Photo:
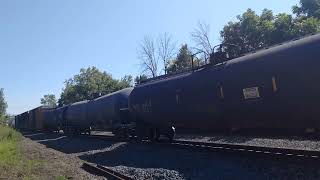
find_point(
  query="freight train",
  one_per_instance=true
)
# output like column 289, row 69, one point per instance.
column 274, row 88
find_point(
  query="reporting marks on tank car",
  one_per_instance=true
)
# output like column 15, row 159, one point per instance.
column 251, row 93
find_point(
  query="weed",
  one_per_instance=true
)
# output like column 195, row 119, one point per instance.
column 61, row 178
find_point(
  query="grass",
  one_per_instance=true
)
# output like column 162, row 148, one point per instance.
column 12, row 162
column 61, row 178
column 9, row 151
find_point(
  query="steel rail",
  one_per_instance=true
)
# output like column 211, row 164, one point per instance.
column 227, row 147
column 310, row 154
column 105, row 172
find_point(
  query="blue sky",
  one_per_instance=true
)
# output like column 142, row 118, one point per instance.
column 44, row 42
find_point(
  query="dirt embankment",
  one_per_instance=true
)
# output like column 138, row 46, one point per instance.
column 53, row 164
column 27, row 159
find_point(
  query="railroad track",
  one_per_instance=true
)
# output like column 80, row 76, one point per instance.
column 309, row 154
column 105, row 172
column 235, row 148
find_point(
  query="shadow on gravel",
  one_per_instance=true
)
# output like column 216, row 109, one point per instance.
column 226, row 139
column 147, row 161
column 68, row 144
column 200, row 165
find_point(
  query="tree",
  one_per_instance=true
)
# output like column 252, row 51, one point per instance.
column 251, row 31
column 245, row 33
column 3, row 105
column 202, row 39
column 49, row 100
column 140, row 79
column 147, row 54
column 308, row 8
column 125, row 82
column 91, row 83
column 182, row 62
column 165, row 49
column 151, row 51
column 307, row 17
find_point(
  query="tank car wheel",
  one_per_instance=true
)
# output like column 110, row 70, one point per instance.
column 116, row 133
column 69, row 131
column 75, row 132
column 140, row 134
column 154, row 134
column 65, row 131
column 89, row 131
column 139, row 137
column 157, row 134
column 125, row 133
column 171, row 133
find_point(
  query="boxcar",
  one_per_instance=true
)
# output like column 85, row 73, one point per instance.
column 17, row 123
column 24, row 121
column 31, row 120
column 36, row 118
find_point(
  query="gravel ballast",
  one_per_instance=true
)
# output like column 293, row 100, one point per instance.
column 145, row 161
column 280, row 142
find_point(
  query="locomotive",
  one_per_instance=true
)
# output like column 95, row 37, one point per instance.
column 274, row 88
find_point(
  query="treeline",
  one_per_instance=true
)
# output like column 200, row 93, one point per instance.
column 3, row 107
column 90, row 83
column 250, row 32
column 253, row 31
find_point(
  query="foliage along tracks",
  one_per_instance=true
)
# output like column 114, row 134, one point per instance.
column 105, row 172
